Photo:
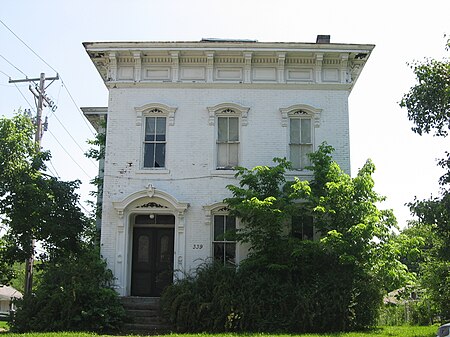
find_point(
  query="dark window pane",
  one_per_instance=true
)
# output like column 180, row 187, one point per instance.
column 160, row 155
column 219, row 252
column 230, row 253
column 149, row 155
column 230, row 228
column 219, row 227
column 165, row 219
column 302, row 227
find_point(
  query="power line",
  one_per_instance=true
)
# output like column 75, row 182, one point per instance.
column 5, row 74
column 25, row 98
column 12, row 65
column 54, row 169
column 87, row 174
column 79, row 146
column 62, row 81
column 81, row 113
column 31, row 49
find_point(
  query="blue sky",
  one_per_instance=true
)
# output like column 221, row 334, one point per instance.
column 402, row 31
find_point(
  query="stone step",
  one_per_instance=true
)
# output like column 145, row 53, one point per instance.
column 145, row 320
column 143, row 315
column 140, row 303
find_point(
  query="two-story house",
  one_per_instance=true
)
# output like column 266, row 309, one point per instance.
column 181, row 115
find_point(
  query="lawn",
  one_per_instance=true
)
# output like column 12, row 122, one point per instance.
column 400, row 331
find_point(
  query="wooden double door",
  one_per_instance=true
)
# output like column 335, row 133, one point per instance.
column 152, row 266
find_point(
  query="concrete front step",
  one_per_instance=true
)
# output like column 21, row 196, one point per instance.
column 143, row 315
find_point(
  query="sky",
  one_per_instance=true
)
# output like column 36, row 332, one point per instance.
column 402, row 30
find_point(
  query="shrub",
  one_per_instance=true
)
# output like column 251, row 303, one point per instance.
column 75, row 293
column 318, row 295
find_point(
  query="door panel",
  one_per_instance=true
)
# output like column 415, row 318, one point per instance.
column 152, row 267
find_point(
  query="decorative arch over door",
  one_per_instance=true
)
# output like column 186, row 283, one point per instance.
column 146, row 247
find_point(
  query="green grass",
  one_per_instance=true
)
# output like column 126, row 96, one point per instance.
column 398, row 331
column 3, row 325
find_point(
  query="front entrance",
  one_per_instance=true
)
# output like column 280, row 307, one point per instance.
column 153, row 245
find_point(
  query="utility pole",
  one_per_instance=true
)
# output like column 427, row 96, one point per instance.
column 42, row 100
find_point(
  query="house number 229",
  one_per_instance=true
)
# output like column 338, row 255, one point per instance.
column 197, row 246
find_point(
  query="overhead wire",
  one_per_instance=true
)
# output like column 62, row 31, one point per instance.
column 5, row 74
column 11, row 64
column 70, row 156
column 62, row 81
column 70, row 95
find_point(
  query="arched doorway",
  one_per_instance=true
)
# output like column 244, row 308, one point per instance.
column 152, row 253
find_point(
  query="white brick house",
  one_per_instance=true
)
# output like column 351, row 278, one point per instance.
column 180, row 115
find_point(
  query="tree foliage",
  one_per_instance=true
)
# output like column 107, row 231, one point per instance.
column 75, row 291
column 287, row 283
column 428, row 106
column 428, row 102
column 33, row 204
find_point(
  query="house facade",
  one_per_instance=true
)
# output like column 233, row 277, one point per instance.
column 181, row 115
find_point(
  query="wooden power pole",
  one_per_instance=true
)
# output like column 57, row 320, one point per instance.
column 42, row 100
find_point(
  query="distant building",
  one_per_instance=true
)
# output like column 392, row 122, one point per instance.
column 181, row 115
column 7, row 295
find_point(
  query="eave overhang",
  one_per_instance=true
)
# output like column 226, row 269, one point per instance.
column 229, row 63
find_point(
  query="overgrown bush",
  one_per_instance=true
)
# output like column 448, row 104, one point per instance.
column 318, row 295
column 288, row 284
column 75, row 294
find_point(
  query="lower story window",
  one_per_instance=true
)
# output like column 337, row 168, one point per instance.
column 302, row 227
column 224, row 243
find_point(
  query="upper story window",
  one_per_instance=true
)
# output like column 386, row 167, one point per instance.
column 300, row 141
column 301, row 120
column 227, row 142
column 229, row 117
column 155, row 142
column 155, row 119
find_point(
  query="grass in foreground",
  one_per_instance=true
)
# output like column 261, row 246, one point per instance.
column 397, row 331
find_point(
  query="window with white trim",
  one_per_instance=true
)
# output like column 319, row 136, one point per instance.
column 301, row 120
column 228, row 118
column 224, row 242
column 300, row 140
column 227, row 142
column 154, row 119
column 155, row 142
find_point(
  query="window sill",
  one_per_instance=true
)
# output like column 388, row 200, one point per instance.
column 153, row 171
column 223, row 172
column 299, row 173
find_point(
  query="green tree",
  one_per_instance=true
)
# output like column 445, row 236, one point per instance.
column 76, row 289
column 428, row 106
column 345, row 214
column 288, row 283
